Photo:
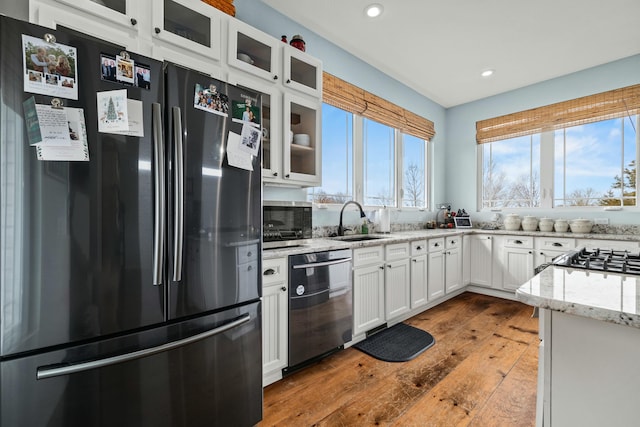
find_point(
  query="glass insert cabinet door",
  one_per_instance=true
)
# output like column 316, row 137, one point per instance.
column 123, row 12
column 253, row 51
column 302, row 152
column 192, row 25
column 302, row 72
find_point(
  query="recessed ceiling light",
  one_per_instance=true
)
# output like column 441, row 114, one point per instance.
column 373, row 10
column 487, row 73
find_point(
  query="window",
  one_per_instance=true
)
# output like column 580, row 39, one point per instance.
column 379, row 147
column 377, row 151
column 580, row 152
column 595, row 164
column 511, row 173
column 592, row 164
column 414, row 178
column 337, row 162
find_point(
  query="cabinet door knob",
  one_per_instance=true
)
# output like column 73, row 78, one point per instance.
column 157, row 30
column 269, row 272
column 288, row 80
column 275, row 77
column 415, row 260
column 489, row 238
column 275, row 174
column 249, row 254
column 436, row 244
column 283, row 289
column 286, row 176
column 249, row 268
column 134, row 21
column 381, row 267
column 530, row 252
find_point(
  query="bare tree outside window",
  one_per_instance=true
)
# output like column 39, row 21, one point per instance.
column 413, row 186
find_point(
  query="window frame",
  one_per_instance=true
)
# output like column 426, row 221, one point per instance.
column 358, row 168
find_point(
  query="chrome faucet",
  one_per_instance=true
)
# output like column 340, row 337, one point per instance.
column 362, row 215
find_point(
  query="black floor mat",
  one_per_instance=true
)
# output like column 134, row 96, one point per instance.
column 399, row 343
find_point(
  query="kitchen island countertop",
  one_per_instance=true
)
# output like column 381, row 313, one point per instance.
column 610, row 297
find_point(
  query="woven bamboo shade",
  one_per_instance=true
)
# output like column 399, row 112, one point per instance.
column 593, row 108
column 344, row 95
column 224, row 5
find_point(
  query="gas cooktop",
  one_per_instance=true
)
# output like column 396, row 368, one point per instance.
column 601, row 260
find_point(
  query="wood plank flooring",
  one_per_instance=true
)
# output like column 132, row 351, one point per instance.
column 482, row 371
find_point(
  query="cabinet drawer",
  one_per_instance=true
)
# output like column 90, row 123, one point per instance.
column 274, row 271
column 396, row 251
column 555, row 243
column 518, row 242
column 247, row 253
column 453, row 242
column 418, row 247
column 618, row 245
column 368, row 256
column 436, row 245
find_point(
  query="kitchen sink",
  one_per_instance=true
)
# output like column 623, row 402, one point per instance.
column 357, row 238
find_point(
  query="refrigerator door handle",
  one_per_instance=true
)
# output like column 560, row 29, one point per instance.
column 44, row 372
column 178, row 207
column 159, row 215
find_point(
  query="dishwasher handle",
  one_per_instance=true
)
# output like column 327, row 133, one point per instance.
column 322, row 264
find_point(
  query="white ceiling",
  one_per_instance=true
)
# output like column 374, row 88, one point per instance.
column 439, row 48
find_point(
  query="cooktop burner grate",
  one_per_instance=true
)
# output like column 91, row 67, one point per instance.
column 601, row 260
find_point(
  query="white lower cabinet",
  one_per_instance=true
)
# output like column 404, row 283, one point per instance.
column 397, row 280
column 480, row 259
column 453, row 264
column 547, row 248
column 419, row 288
column 517, row 261
column 368, row 289
column 435, row 268
column 275, row 312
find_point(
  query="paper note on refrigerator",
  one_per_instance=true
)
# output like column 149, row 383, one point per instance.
column 135, row 120
column 112, row 111
column 250, row 139
column 236, row 156
column 46, row 125
column 78, row 149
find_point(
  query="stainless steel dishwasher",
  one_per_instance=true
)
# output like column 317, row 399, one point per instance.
column 320, row 305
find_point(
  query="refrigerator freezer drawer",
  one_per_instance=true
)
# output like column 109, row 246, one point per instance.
column 214, row 380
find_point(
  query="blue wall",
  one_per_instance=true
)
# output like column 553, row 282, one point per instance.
column 461, row 158
column 338, row 62
column 454, row 147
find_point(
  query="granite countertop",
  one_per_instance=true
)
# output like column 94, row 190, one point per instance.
column 609, row 297
column 326, row 243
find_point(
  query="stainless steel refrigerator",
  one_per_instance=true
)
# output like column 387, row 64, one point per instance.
column 130, row 286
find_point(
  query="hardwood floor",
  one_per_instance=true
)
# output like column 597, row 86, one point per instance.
column 482, row 371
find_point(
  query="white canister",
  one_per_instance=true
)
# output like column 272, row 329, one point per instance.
column 529, row 223
column 545, row 224
column 383, row 217
column 561, row 225
column 512, row 222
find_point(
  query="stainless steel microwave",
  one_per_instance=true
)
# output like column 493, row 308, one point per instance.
column 286, row 224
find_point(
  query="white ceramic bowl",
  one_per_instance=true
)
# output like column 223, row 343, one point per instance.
column 561, row 225
column 581, row 226
column 245, row 58
column 302, row 139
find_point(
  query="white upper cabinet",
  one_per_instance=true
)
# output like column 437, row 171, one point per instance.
column 191, row 25
column 302, row 163
column 253, row 51
column 302, row 72
column 118, row 21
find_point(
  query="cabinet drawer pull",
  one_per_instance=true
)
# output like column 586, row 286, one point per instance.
column 269, row 272
column 556, row 244
column 517, row 242
column 418, row 248
column 436, row 244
